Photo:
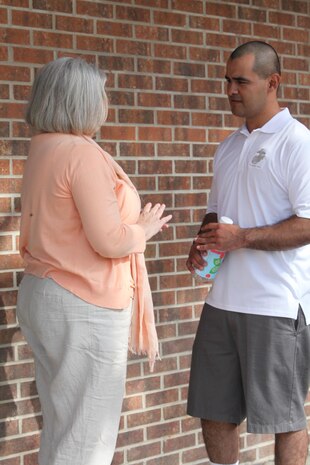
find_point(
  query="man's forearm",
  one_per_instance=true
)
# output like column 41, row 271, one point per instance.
column 288, row 234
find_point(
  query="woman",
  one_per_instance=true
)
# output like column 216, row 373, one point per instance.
column 82, row 239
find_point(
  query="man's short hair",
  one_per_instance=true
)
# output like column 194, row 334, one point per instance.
column 267, row 61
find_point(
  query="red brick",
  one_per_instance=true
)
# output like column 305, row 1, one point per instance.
column 53, row 39
column 97, row 9
column 6, row 243
column 154, row 166
column 173, row 84
column 303, row 21
column 6, row 279
column 53, row 5
column 21, row 444
column 170, row 51
column 92, row 43
column 173, row 118
column 173, row 150
column 252, row 14
column 147, row 450
column 32, row 19
column 264, row 30
column 133, row 81
column 240, row 27
column 172, row 459
column 12, row 461
column 143, row 418
column 4, row 128
column 189, row 134
column 129, row 438
column 162, row 430
column 153, row 33
column 205, row 23
column 118, row 132
column 195, row 6
column 166, row 331
column 194, row 102
column 132, row 14
column 130, row 47
column 3, row 15
column 155, row 133
column 187, row 37
column 170, row 18
column 161, row 398
column 277, row 17
column 69, row 23
column 154, row 100
column 10, row 261
column 14, row 36
column 193, row 455
column 295, row 64
column 12, row 110
column 149, row 65
column 295, row 6
column 14, row 73
column 164, row 298
column 220, row 9
column 109, row 28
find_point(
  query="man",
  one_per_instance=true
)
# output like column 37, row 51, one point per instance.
column 251, row 355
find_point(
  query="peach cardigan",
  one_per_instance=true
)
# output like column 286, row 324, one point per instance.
column 78, row 227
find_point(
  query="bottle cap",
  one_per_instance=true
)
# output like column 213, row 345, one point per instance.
column 226, row 220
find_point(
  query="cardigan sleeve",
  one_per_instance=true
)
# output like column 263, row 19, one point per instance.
column 109, row 225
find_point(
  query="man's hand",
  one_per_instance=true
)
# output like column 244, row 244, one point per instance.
column 218, row 236
column 195, row 259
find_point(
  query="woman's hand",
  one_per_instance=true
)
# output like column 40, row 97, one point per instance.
column 151, row 219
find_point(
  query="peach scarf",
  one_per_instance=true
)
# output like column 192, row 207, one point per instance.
column 143, row 336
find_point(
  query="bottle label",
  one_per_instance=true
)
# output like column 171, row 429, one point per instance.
column 213, row 260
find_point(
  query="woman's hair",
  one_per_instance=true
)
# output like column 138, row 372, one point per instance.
column 68, row 96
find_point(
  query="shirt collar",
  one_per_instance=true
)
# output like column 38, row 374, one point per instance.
column 275, row 124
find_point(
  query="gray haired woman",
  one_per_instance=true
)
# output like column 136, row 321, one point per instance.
column 85, row 290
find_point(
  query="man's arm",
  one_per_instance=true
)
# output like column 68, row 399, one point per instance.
column 288, row 234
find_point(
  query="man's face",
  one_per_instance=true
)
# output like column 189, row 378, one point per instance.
column 247, row 92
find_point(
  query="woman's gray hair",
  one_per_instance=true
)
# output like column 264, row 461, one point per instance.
column 68, row 96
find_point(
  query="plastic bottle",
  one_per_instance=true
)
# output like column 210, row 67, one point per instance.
column 213, row 259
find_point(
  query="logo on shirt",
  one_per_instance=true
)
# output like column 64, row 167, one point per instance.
column 259, row 158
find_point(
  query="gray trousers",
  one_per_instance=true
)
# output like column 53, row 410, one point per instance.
column 80, row 354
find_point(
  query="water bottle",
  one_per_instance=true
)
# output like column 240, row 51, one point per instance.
column 213, row 260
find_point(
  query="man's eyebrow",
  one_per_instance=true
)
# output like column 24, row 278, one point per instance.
column 236, row 78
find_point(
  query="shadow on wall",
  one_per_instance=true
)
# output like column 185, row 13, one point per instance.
column 8, row 389
column 18, row 394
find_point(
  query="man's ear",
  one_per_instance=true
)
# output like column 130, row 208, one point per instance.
column 274, row 81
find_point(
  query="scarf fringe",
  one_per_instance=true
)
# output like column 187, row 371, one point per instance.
column 152, row 357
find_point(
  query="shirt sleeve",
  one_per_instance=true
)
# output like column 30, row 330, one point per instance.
column 93, row 188
column 298, row 178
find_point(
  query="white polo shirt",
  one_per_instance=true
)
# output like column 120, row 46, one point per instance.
column 261, row 178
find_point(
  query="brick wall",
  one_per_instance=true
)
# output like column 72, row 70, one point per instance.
column 165, row 61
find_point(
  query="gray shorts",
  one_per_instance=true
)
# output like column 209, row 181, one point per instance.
column 250, row 366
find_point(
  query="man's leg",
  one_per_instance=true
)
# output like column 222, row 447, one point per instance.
column 222, row 441
column 291, row 448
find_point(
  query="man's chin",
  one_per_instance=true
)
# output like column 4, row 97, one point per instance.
column 237, row 111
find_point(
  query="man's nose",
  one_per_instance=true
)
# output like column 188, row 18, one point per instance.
column 232, row 88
